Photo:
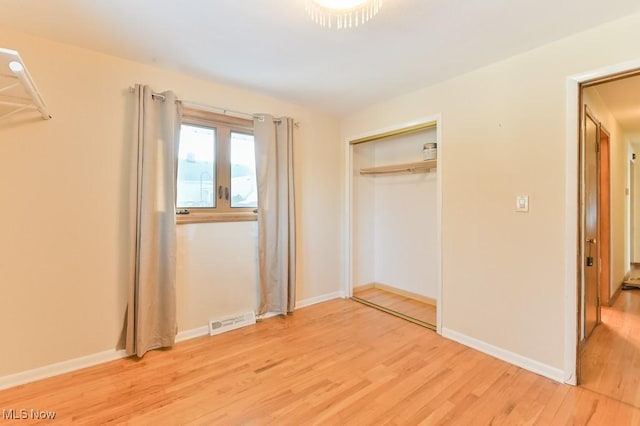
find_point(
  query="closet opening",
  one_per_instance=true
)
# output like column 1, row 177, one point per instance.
column 394, row 210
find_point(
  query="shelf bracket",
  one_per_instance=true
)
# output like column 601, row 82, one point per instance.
column 22, row 94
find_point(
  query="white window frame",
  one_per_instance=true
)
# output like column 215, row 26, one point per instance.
column 223, row 126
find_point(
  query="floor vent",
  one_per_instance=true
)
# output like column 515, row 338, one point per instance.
column 231, row 323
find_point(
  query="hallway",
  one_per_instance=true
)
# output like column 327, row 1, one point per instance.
column 611, row 359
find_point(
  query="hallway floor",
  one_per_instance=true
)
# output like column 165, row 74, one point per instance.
column 611, row 359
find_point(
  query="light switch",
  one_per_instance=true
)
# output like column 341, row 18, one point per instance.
column 522, row 203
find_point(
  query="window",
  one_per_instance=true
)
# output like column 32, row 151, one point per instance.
column 216, row 168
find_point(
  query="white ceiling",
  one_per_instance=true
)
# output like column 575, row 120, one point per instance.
column 271, row 46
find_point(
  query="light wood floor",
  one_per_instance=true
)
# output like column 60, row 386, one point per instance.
column 336, row 363
column 611, row 359
column 413, row 308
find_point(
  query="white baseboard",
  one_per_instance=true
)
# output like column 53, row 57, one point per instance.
column 192, row 334
column 505, row 355
column 83, row 362
column 268, row 315
column 113, row 354
column 60, row 368
column 308, row 302
column 319, row 299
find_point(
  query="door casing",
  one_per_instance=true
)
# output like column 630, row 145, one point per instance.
column 573, row 254
column 349, row 210
column 604, row 201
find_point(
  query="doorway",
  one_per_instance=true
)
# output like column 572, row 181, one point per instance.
column 608, row 346
column 393, row 206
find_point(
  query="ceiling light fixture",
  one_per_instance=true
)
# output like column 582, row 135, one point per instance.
column 342, row 14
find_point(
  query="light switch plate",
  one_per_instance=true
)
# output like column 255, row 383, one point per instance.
column 522, row 203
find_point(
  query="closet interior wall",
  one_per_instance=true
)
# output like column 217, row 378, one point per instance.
column 395, row 217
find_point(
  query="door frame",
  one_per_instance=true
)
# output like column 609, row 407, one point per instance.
column 573, row 256
column 632, row 200
column 604, row 202
column 349, row 219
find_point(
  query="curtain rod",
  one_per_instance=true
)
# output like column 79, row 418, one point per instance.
column 225, row 111
column 190, row 104
column 211, row 108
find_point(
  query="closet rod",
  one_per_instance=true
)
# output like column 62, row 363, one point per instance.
column 403, row 131
column 416, row 167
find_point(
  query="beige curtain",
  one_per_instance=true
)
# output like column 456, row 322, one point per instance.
column 276, row 214
column 151, row 309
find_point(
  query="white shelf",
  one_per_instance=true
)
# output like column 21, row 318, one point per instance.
column 18, row 92
column 416, row 167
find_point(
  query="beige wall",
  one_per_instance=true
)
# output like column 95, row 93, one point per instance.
column 504, row 134
column 62, row 185
column 620, row 155
column 63, row 188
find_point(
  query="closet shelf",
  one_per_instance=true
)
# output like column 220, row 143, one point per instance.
column 18, row 92
column 417, row 167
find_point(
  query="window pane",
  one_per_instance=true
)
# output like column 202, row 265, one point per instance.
column 196, row 165
column 244, row 192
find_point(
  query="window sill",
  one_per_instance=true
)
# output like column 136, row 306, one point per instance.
column 195, row 217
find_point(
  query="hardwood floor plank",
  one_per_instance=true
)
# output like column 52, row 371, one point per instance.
column 336, row 363
column 419, row 310
column 611, row 358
